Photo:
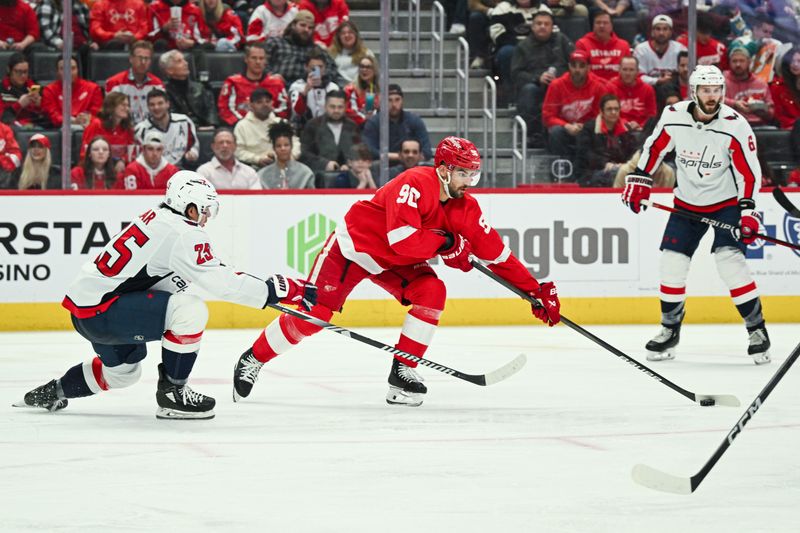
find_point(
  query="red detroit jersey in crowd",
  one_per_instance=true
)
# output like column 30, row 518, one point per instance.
column 637, row 102
column 328, row 19
column 18, row 21
column 396, row 227
column 234, row 98
column 191, row 25
column 87, row 97
column 566, row 104
column 604, row 58
column 137, row 175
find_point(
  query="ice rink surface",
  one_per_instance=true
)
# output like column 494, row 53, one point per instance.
column 316, row 449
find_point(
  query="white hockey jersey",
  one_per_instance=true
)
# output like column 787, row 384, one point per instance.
column 651, row 65
column 160, row 251
column 179, row 138
column 717, row 162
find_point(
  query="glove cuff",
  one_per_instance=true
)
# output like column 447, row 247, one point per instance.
column 747, row 204
column 449, row 243
column 639, row 179
column 278, row 288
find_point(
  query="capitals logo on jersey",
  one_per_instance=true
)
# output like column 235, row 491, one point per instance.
column 791, row 227
column 691, row 159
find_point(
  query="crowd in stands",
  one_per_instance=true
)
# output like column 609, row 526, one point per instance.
column 301, row 113
column 302, row 110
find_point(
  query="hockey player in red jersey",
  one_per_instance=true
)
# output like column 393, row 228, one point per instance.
column 422, row 213
column 134, row 292
column 718, row 177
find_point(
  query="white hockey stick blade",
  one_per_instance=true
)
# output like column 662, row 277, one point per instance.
column 657, row 480
column 505, row 372
column 727, row 400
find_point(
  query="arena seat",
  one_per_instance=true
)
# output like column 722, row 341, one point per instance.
column 43, row 66
column 24, row 136
column 5, row 55
column 103, row 65
column 204, row 137
column 774, row 145
column 626, row 27
column 220, row 65
column 573, row 27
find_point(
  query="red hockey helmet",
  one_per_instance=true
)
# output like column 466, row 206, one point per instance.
column 457, row 152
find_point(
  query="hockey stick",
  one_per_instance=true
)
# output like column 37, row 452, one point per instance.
column 490, row 378
column 717, row 224
column 658, row 480
column 785, row 203
column 727, row 400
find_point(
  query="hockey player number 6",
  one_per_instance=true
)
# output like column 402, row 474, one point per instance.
column 408, row 195
column 125, row 253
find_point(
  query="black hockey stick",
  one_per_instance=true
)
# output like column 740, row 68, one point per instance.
column 785, row 203
column 505, row 371
column 658, row 480
column 735, row 231
column 727, row 400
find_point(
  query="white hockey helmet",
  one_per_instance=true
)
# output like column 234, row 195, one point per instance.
column 186, row 187
column 705, row 75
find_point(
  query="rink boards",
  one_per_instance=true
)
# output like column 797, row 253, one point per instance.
column 603, row 258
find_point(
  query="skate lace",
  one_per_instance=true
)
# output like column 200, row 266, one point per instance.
column 408, row 374
column 665, row 335
column 249, row 370
column 757, row 337
column 190, row 397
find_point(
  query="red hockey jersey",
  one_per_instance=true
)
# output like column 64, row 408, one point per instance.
column 711, row 53
column 234, row 98
column 327, row 20
column 228, row 27
column 191, row 26
column 121, row 140
column 86, row 97
column 108, row 17
column 137, row 175
column 637, row 102
column 565, row 103
column 10, row 154
column 356, row 104
column 398, row 226
column 604, row 58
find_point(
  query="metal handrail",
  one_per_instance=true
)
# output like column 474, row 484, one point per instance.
column 489, row 113
column 462, row 75
column 395, row 15
column 437, row 56
column 522, row 155
column 414, row 30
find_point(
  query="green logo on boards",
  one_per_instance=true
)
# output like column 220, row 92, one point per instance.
column 305, row 239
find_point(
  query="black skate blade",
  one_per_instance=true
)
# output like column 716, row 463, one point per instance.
column 165, row 413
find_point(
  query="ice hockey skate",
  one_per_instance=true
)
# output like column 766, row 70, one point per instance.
column 405, row 386
column 245, row 375
column 662, row 346
column 45, row 397
column 181, row 402
column 759, row 345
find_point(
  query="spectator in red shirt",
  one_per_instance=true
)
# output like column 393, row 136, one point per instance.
column 786, row 90
column 87, row 98
column 96, row 170
column 10, row 156
column 362, row 96
column 571, row 101
column 223, row 28
column 604, row 48
column 21, row 96
column 328, row 14
column 115, row 24
column 233, row 101
column 637, row 99
column 113, row 122
column 19, row 27
column 709, row 50
column 150, row 170
column 176, row 24
column 744, row 92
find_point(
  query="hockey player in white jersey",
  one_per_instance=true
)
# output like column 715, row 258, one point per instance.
column 718, row 176
column 134, row 292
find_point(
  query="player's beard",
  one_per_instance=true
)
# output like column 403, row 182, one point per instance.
column 711, row 111
column 456, row 192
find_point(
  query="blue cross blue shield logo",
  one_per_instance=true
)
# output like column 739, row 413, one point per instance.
column 755, row 250
column 791, row 227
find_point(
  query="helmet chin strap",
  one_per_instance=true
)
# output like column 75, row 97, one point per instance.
column 446, row 183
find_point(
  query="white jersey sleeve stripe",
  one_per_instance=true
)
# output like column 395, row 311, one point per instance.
column 400, row 234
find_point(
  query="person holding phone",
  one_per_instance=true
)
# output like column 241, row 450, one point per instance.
column 307, row 95
column 21, row 96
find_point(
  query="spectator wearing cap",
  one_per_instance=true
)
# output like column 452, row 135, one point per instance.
column 637, row 99
column 21, row 97
column 307, row 95
column 286, row 172
column 137, row 81
column 270, row 19
column 658, row 56
column 252, row 141
column 538, row 60
column 37, row 170
column 18, row 25
column 572, row 100
column 233, row 101
column 326, row 141
column 224, row 171
column 115, row 24
column 746, row 93
column 96, row 170
column 150, row 170
column 288, row 53
column 402, row 125
column 709, row 50
column 178, row 133
column 10, row 157
column 187, row 97
column 604, row 48
column 87, row 97
column 113, row 122
column 328, row 14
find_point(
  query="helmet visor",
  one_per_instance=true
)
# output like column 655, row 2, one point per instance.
column 463, row 174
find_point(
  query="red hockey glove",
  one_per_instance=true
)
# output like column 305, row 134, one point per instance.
column 550, row 310
column 457, row 254
column 749, row 222
column 637, row 188
column 291, row 291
